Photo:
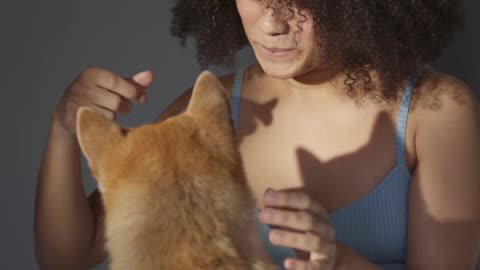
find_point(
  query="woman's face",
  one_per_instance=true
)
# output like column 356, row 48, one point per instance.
column 280, row 46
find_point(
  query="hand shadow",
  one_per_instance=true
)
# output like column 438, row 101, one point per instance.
column 252, row 114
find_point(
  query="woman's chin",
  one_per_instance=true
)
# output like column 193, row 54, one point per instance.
column 279, row 70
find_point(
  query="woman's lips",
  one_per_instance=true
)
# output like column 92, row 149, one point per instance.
column 277, row 52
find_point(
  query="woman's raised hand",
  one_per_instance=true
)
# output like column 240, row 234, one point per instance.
column 102, row 90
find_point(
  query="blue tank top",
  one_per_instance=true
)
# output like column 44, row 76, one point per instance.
column 374, row 226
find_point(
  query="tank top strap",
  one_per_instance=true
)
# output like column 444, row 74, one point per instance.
column 402, row 119
column 236, row 94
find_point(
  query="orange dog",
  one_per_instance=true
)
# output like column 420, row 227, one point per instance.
column 171, row 190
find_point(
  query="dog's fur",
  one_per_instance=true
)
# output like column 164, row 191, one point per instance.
column 173, row 191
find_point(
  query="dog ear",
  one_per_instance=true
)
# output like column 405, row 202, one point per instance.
column 209, row 99
column 210, row 109
column 97, row 135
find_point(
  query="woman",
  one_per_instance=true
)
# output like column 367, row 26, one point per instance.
column 342, row 179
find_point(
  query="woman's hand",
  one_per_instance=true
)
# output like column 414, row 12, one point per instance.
column 303, row 224
column 102, row 90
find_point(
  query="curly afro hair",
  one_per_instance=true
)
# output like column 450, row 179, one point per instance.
column 387, row 39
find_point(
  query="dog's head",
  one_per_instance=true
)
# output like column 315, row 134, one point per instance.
column 189, row 144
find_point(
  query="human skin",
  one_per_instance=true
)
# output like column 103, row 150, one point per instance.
column 443, row 234
column 65, row 223
column 302, row 71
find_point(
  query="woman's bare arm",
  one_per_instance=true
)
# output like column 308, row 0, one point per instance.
column 444, row 197
column 64, row 220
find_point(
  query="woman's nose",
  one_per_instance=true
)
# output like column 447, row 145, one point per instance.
column 271, row 23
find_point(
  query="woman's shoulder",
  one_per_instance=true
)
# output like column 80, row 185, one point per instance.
column 441, row 94
column 442, row 103
column 249, row 72
column 435, row 87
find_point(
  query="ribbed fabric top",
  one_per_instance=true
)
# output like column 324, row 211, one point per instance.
column 375, row 226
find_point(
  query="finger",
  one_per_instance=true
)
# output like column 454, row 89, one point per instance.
column 302, row 241
column 105, row 112
column 297, row 264
column 119, row 85
column 298, row 220
column 110, row 101
column 295, row 200
column 142, row 80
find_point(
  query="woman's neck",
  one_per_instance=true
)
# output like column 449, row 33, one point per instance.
column 318, row 86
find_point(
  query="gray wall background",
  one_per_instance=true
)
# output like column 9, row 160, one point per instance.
column 45, row 44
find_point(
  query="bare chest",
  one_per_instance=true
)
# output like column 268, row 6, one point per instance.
column 337, row 157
